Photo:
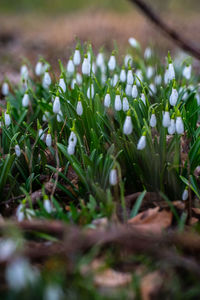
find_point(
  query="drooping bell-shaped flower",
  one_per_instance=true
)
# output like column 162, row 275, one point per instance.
column 41, row 133
column 86, row 66
column 122, row 76
column 107, row 99
column 73, row 82
column 72, row 138
column 153, row 120
column 185, row 194
column 90, row 91
column 5, row 89
column 24, row 72
column 142, row 142
column 59, row 116
column 17, row 150
column 130, row 78
column 179, row 124
column 158, row 79
column 48, row 206
column 100, row 59
column 114, row 80
column 172, row 127
column 152, row 89
column 166, row 121
column 128, row 90
column 39, row 68
column 139, row 77
column 46, row 80
column 128, row 60
column 79, row 78
column 25, row 100
column 143, row 98
column 56, row 105
column 149, row 72
column 70, row 67
column 133, row 42
column 62, row 84
column 79, row 108
column 103, row 78
column 147, row 53
column 174, row 95
column 48, row 139
column 125, row 103
column 7, row 119
column 71, row 149
column 187, row 70
column 128, row 125
column 112, row 62
column 113, row 177
column 77, row 57
column 134, row 91
column 118, row 103
column 171, row 72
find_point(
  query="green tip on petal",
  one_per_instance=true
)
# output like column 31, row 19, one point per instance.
column 118, row 92
column 174, row 83
column 113, row 52
column 153, row 111
column 169, row 58
column 167, row 107
column 46, row 197
column 128, row 113
column 178, row 113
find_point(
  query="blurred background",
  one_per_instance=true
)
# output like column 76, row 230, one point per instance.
column 49, row 27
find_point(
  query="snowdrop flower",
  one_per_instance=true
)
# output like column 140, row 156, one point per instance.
column 166, row 76
column 173, row 97
column 128, row 90
column 7, row 248
column 130, row 77
column 113, row 177
column 24, row 72
column 133, row 42
column 53, row 292
column 79, row 78
column 134, row 91
column 48, row 139
column 77, row 57
column 17, row 150
column 107, row 99
column 149, row 72
column 59, row 116
column 118, row 103
column 48, row 205
column 185, row 194
column 41, row 134
column 153, row 89
column 172, row 127
column 71, row 149
column 19, row 273
column 158, row 80
column 25, row 100
column 93, row 67
column 79, row 108
column 5, row 89
column 179, row 124
column 125, row 103
column 139, row 77
column 72, row 139
column 142, row 142
column 187, row 72
column 39, row 68
column 56, row 105
column 20, row 212
column 62, row 84
column 128, row 60
column 153, row 120
column 103, row 78
column 122, row 76
column 86, row 66
column 100, row 59
column 46, row 80
column 114, row 80
column 147, row 53
column 143, row 98
column 90, row 91
column 112, row 62
column 7, row 119
column 70, row 67
column 128, row 125
column 166, row 118
column 73, row 83
column 171, row 72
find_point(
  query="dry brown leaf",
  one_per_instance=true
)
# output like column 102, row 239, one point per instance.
column 152, row 220
column 111, row 278
column 150, row 284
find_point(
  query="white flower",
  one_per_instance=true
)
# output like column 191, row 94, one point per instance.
column 134, row 91
column 122, row 75
column 86, row 66
column 130, row 77
column 153, row 89
column 90, row 91
column 48, row 206
column 70, row 67
column 166, row 119
column 39, row 68
column 20, row 213
column 71, row 149
column 133, row 42
column 125, row 104
column 56, row 105
column 103, row 78
column 187, row 72
column 118, row 103
column 153, row 120
column 7, row 119
column 79, row 79
column 158, row 79
column 149, row 72
column 25, row 100
column 72, row 139
column 93, row 67
column 139, row 77
column 17, row 150
column 59, row 116
column 173, row 97
column 53, row 292
column 128, row 89
column 166, row 76
column 46, row 80
column 77, row 57
column 171, row 72
column 141, row 143
column 79, row 108
column 185, row 195
column 24, row 72
column 114, row 80
column 7, row 248
column 62, row 84
column 172, row 127
column 143, row 98
column 179, row 125
column 107, row 100
column 113, row 177
column 100, row 59
column 128, row 126
column 41, row 134
column 5, row 89
column 147, row 53
column 112, row 63
column 128, row 60
column 73, row 83
column 48, row 140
